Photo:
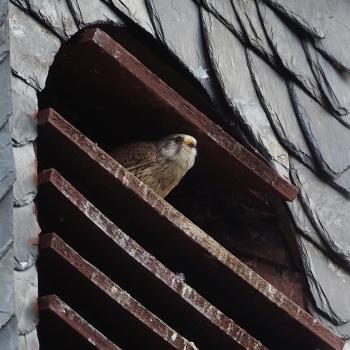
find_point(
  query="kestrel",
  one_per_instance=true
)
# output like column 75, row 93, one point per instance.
column 161, row 164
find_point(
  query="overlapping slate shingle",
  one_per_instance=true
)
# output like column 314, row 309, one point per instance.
column 136, row 11
column 25, row 105
column 26, row 283
column 31, row 59
column 170, row 18
column 228, row 58
column 25, row 187
column 323, row 275
column 304, row 226
column 249, row 18
column 224, row 12
column 327, row 209
column 288, row 47
column 327, row 19
column 335, row 84
column 86, row 13
column 53, row 14
column 273, row 92
column 8, row 323
column 26, row 231
column 328, row 139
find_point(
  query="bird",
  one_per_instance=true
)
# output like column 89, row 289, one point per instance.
column 159, row 164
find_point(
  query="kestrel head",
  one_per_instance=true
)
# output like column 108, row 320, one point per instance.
column 179, row 148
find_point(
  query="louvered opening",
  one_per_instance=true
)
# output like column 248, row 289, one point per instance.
column 111, row 103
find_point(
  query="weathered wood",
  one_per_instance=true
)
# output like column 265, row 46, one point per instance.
column 122, row 258
column 114, row 303
column 57, row 315
column 129, row 79
column 170, row 236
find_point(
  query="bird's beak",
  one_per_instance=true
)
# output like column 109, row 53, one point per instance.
column 190, row 141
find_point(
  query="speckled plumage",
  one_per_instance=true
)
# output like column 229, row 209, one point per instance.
column 160, row 165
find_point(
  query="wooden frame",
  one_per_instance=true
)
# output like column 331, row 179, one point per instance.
column 285, row 317
column 110, row 67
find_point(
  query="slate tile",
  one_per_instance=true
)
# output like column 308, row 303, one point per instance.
column 274, row 96
column 25, row 108
column 29, row 341
column 288, row 47
column 342, row 331
column 7, row 168
column 33, row 48
column 326, row 208
column 302, row 13
column 26, row 231
column 329, row 283
column 26, row 284
column 328, row 139
column 225, row 13
column 177, row 24
column 137, row 11
column 335, row 44
column 249, row 18
column 229, row 61
column 86, row 13
column 54, row 14
column 5, row 82
column 335, row 84
column 25, row 186
column 8, row 335
column 6, row 220
column 342, row 182
column 7, row 303
column 8, row 322
column 327, row 20
column 304, row 226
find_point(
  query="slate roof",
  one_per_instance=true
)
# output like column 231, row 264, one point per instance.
column 280, row 66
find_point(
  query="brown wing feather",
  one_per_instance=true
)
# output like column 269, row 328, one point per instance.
column 135, row 154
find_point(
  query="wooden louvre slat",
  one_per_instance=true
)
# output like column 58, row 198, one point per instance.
column 228, row 283
column 128, row 262
column 70, row 329
column 119, row 71
column 123, row 318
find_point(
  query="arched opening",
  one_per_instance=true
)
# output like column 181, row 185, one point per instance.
column 81, row 89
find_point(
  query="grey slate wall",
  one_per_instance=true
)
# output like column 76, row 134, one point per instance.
column 283, row 70
column 8, row 324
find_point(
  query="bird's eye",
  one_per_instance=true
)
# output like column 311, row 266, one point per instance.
column 178, row 139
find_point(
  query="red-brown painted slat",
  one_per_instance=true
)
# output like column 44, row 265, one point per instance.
column 229, row 283
column 126, row 76
column 128, row 314
column 127, row 257
column 55, row 313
